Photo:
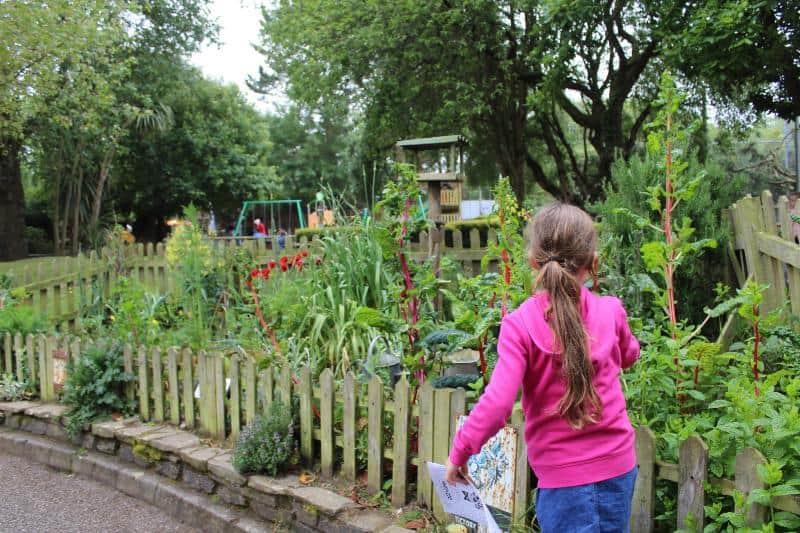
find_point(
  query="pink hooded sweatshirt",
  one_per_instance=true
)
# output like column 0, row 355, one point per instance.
column 559, row 455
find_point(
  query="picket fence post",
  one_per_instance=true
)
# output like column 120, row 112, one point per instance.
column 326, row 403
column 375, row 435
column 188, row 388
column 402, row 416
column 349, row 419
column 306, row 421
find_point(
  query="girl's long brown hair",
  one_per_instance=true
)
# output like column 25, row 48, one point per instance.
column 562, row 243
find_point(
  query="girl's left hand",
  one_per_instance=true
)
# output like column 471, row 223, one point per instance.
column 455, row 475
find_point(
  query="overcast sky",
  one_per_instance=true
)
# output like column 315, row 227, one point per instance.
column 234, row 59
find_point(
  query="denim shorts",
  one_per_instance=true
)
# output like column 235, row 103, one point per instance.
column 602, row 507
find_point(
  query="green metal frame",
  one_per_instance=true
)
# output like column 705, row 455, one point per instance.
column 251, row 203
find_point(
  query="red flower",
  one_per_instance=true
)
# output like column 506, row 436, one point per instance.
column 255, row 273
column 318, row 261
column 505, row 255
column 304, row 253
column 508, row 275
column 284, row 267
column 272, row 264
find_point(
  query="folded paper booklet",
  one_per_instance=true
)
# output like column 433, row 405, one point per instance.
column 462, row 500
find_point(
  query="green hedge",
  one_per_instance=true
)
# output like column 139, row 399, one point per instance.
column 480, row 223
column 309, row 233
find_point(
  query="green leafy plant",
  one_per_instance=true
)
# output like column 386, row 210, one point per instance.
column 15, row 316
column 12, row 390
column 267, row 444
column 95, row 386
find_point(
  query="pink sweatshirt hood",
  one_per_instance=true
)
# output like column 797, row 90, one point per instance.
column 536, row 324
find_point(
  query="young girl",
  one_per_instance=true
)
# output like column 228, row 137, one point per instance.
column 565, row 346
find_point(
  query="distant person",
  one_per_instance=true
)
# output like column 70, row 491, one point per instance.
column 127, row 235
column 566, row 347
column 259, row 231
column 282, row 239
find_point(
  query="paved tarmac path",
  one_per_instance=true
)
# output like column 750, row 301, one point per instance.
column 37, row 499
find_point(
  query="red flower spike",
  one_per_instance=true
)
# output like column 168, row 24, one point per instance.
column 508, row 275
column 505, row 255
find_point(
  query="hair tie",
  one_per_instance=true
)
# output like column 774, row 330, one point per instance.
column 557, row 258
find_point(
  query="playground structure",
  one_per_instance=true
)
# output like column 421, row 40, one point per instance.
column 277, row 215
column 439, row 162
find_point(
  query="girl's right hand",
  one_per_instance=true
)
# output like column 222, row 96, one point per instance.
column 456, row 475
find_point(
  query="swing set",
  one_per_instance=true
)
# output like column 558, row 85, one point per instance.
column 279, row 211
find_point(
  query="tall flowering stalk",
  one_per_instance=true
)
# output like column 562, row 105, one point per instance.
column 402, row 216
column 673, row 242
column 509, row 250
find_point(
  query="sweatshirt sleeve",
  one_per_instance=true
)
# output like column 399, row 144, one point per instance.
column 628, row 345
column 497, row 401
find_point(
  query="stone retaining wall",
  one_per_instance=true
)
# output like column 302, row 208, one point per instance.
column 177, row 472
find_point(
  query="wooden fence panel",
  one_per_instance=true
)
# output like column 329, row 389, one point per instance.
column 793, row 274
column 268, row 387
column 7, row 365
column 127, row 366
column 375, row 435
column 188, row 388
column 349, row 419
column 158, row 386
column 400, row 463
column 441, row 435
column 747, row 480
column 425, row 436
column 763, row 229
column 304, row 390
column 644, row 492
column 18, row 356
column 522, row 476
column 327, row 390
column 286, row 387
column 203, row 404
column 692, row 476
column 218, row 399
column 174, row 392
column 144, row 393
column 251, row 393
column 235, row 405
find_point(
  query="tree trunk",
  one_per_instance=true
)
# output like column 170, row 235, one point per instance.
column 97, row 203
column 12, row 202
column 76, row 214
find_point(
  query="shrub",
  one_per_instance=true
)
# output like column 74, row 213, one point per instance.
column 95, row 386
column 11, row 390
column 310, row 233
column 481, row 223
column 623, row 268
column 22, row 319
column 267, row 444
column 38, row 240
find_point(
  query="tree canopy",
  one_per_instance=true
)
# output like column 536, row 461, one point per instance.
column 552, row 91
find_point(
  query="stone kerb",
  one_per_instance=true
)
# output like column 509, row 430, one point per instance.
column 135, row 457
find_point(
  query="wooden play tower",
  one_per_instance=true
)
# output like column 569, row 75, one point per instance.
column 439, row 162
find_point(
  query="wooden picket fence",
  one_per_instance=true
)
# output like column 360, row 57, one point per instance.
column 766, row 239
column 61, row 288
column 217, row 395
